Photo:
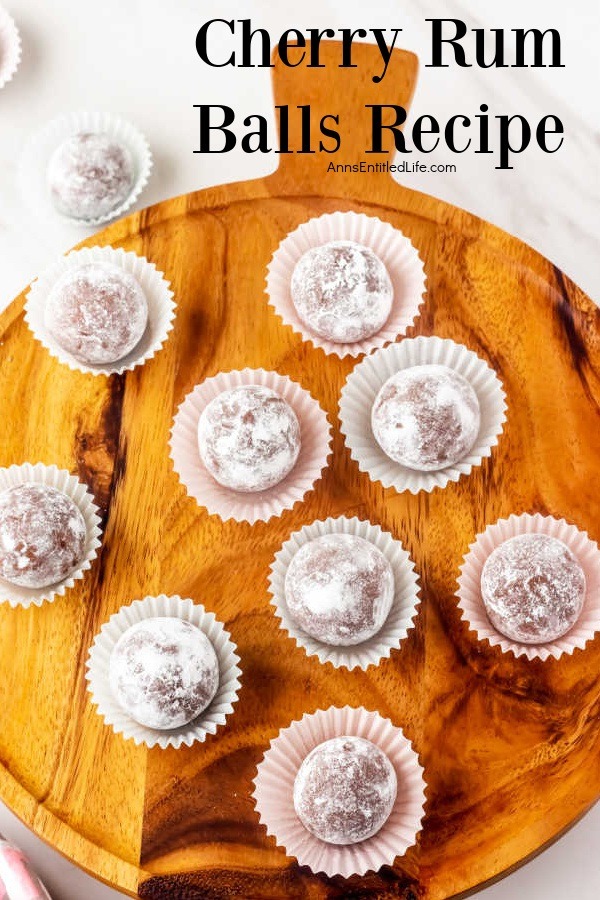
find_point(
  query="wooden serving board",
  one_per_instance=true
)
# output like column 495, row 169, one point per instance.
column 511, row 748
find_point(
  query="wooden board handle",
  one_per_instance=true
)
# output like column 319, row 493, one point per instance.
column 346, row 92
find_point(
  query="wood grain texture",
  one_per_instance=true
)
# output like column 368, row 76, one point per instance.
column 511, row 748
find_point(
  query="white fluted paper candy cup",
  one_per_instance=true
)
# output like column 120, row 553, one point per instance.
column 364, row 382
column 393, row 248
column 400, row 618
column 274, row 789
column 98, row 664
column 10, row 47
column 61, row 480
column 36, row 156
column 315, row 437
column 470, row 602
column 157, row 290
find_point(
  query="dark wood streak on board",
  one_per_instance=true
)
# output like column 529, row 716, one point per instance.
column 566, row 316
column 101, row 453
column 222, row 884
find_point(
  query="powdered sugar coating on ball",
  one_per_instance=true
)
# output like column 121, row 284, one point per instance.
column 42, row 535
column 98, row 313
column 164, row 672
column 342, row 291
column 533, row 588
column 345, row 790
column 426, row 417
column 90, row 174
column 249, row 438
column 339, row 589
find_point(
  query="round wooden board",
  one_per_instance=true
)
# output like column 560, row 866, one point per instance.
column 511, row 749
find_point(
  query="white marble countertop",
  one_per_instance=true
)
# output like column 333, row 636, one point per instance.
column 137, row 58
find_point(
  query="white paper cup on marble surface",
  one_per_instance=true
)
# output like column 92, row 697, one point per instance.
column 39, row 149
column 470, row 601
column 364, row 382
column 315, row 447
column 404, row 605
column 60, row 480
column 98, row 672
column 400, row 258
column 274, row 790
column 157, row 290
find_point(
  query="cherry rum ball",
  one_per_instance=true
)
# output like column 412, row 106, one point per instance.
column 339, row 589
column 342, row 291
column 533, row 588
column 345, row 790
column 90, row 175
column 164, row 672
column 98, row 313
column 249, row 438
column 42, row 535
column 426, row 417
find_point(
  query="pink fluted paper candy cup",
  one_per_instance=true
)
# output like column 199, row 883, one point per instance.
column 400, row 258
column 32, row 171
column 68, row 484
column 470, row 602
column 157, row 291
column 405, row 604
column 10, row 47
column 315, row 437
column 274, row 789
column 98, row 672
column 364, row 383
